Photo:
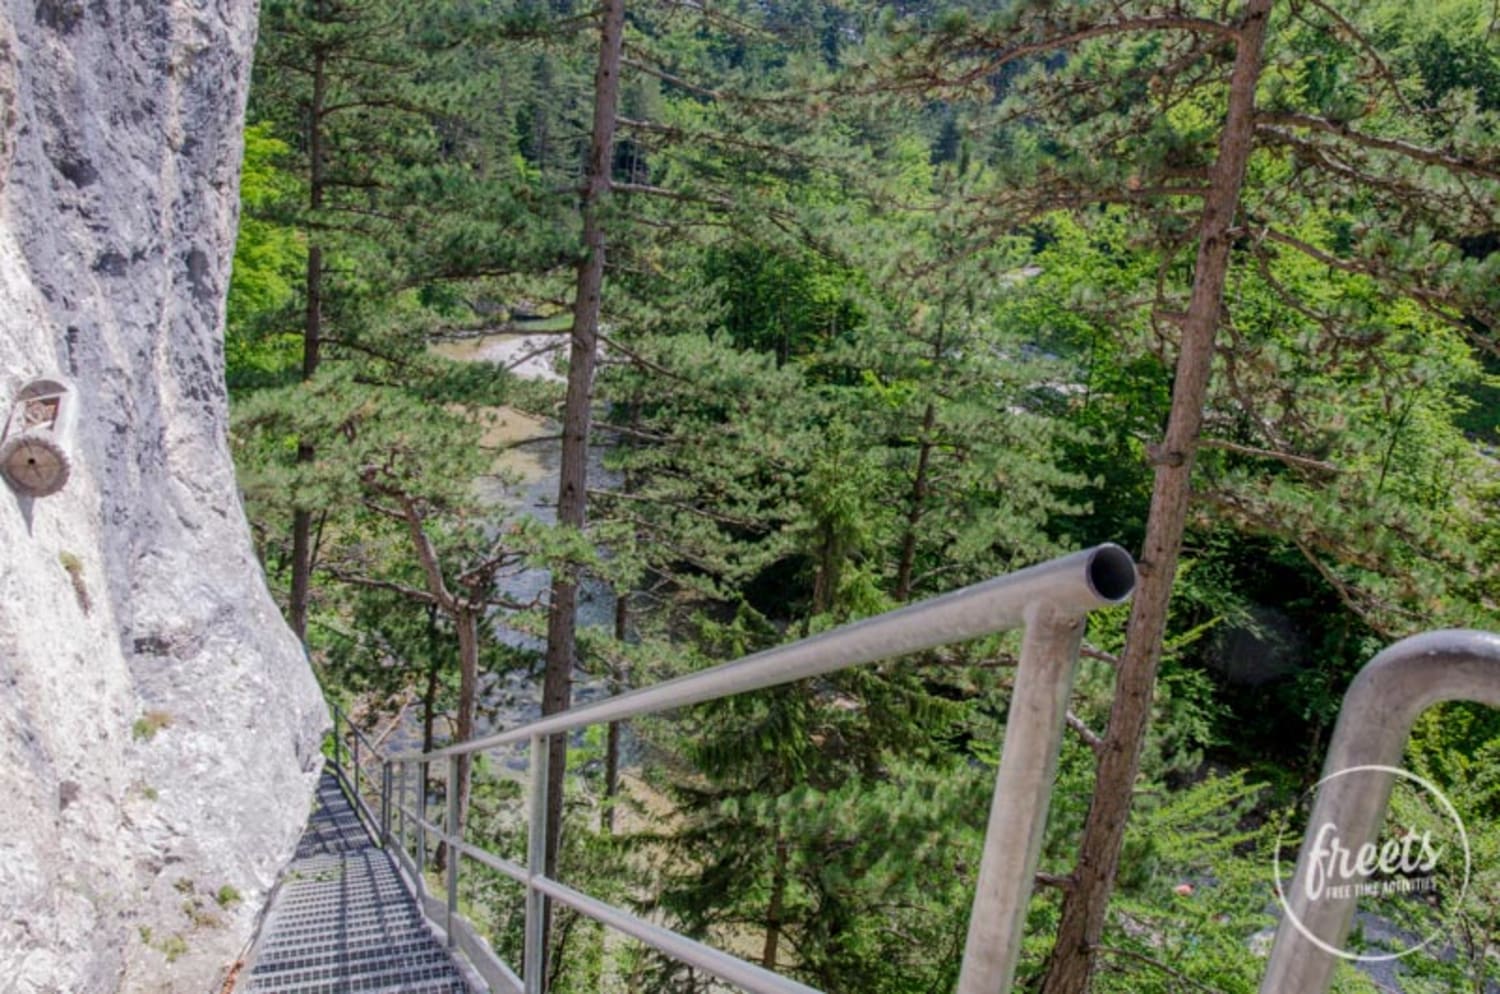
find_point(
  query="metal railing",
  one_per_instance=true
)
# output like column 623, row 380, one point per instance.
column 1374, row 723
column 1050, row 601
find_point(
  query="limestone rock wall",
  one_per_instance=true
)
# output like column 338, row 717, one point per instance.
column 159, row 727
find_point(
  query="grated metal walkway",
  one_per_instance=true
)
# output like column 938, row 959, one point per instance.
column 342, row 921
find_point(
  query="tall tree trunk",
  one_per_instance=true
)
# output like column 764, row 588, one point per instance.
column 777, row 908
column 1085, row 902
column 572, row 492
column 466, row 621
column 434, row 672
column 919, row 484
column 915, row 507
column 312, row 341
column 612, row 741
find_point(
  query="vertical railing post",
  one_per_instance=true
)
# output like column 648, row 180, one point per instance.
column 385, row 803
column 536, row 865
column 422, row 827
column 338, row 763
column 354, row 762
column 452, row 837
column 1023, row 789
column 1379, row 709
column 401, row 806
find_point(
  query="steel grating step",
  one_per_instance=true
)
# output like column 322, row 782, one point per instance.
column 334, row 922
column 320, row 910
column 302, row 936
column 337, row 966
column 409, row 941
column 350, row 885
column 350, row 897
column 306, row 932
column 274, row 959
column 346, row 910
column 342, row 920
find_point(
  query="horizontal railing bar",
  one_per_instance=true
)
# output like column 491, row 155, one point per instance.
column 732, row 969
column 1058, row 592
column 1072, row 586
column 499, row 864
column 424, row 823
column 339, row 713
column 365, row 740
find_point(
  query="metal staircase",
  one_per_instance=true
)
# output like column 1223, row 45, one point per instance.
column 342, row 919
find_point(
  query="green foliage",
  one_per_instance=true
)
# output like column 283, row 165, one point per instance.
column 173, row 947
column 891, row 308
column 145, row 727
column 1194, row 887
column 269, row 257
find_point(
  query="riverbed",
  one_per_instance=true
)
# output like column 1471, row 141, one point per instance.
column 524, row 482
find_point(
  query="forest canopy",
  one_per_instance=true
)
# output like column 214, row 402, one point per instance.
column 575, row 348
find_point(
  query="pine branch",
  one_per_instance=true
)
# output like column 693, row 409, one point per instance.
column 667, row 77
column 1483, row 168
column 1382, row 68
column 719, row 138
column 629, row 432
column 427, row 556
column 536, row 352
column 1069, row 39
column 1090, row 737
column 640, row 360
column 374, row 583
column 1089, row 652
column 400, row 362
column 1436, row 303
column 723, row 203
column 756, row 527
column 1342, row 590
column 1299, row 462
column 1063, row 883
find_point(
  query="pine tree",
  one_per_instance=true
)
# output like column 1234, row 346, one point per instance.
column 1217, row 139
column 405, row 192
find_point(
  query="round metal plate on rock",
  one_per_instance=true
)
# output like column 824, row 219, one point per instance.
column 34, row 466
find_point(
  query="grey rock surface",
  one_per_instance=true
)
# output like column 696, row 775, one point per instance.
column 159, row 727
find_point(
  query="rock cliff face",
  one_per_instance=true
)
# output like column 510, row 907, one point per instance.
column 158, row 726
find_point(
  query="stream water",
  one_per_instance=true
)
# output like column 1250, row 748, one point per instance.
column 525, row 482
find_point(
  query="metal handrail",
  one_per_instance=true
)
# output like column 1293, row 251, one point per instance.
column 1375, row 720
column 351, row 776
column 1071, row 587
column 1050, row 601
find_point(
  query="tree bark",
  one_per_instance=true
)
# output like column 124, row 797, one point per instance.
column 312, row 341
column 466, row 620
column 572, row 492
column 466, row 616
column 434, row 667
column 776, row 909
column 612, row 741
column 1085, row 904
column 920, row 486
column 916, row 507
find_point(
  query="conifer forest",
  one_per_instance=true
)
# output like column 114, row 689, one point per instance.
column 576, row 345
